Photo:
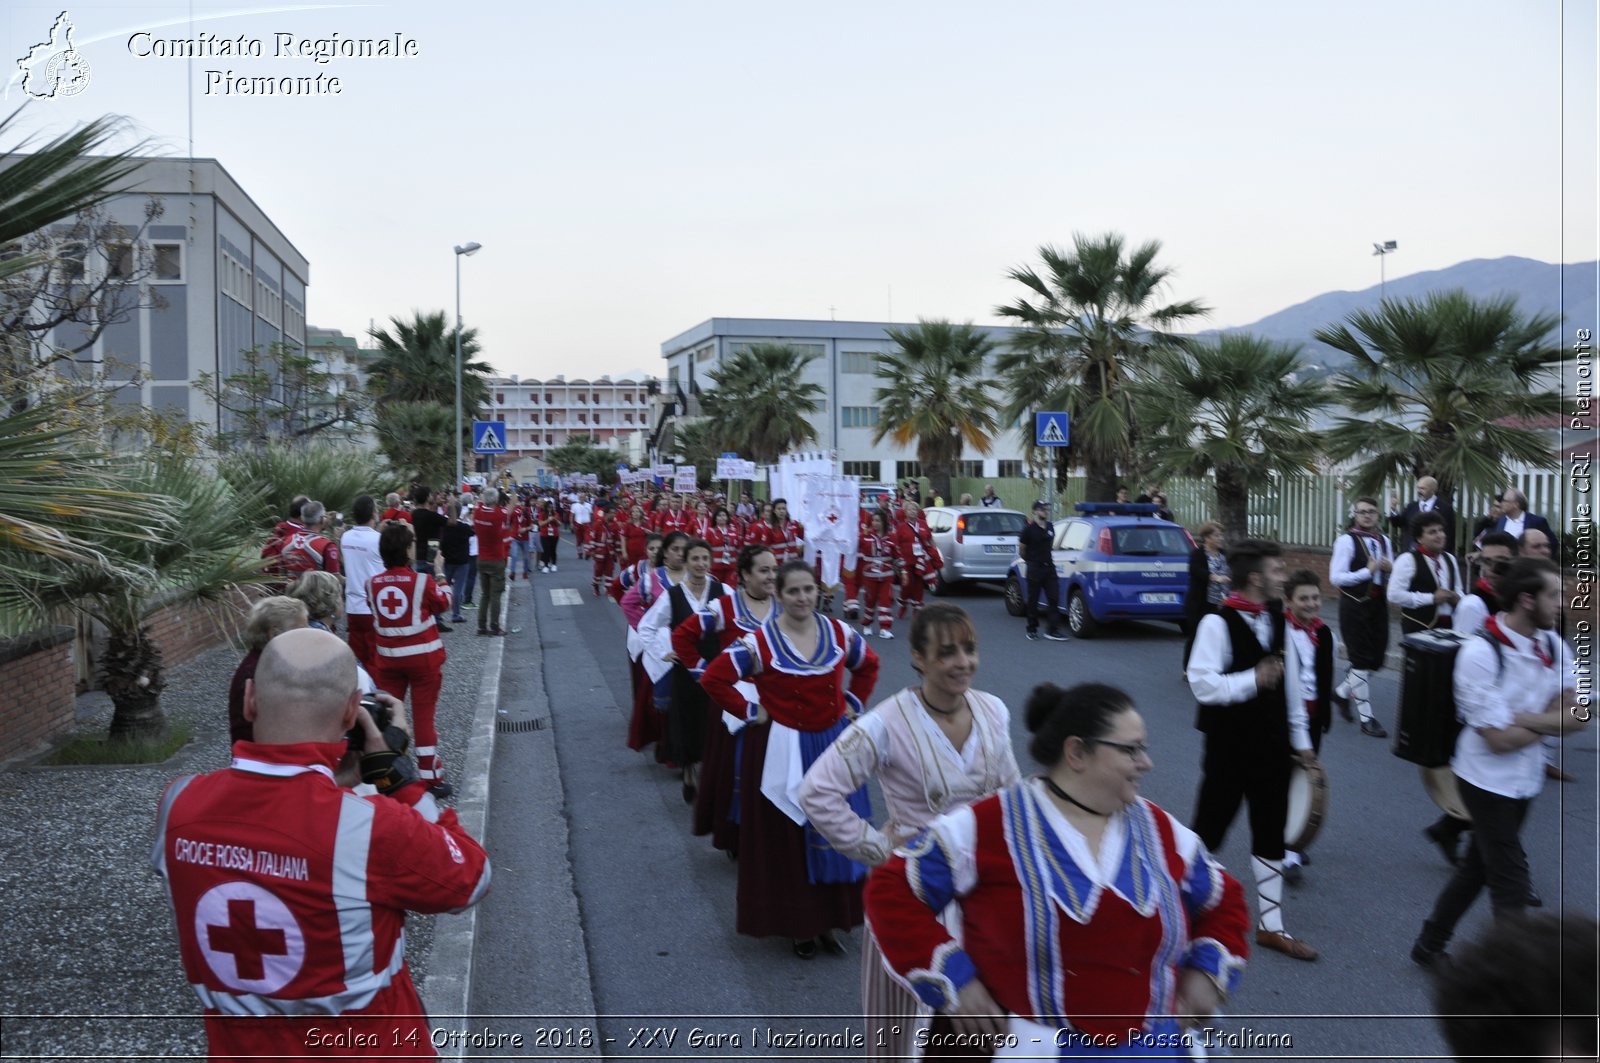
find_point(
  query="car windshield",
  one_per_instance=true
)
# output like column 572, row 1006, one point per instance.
column 1149, row 541
column 1007, row 524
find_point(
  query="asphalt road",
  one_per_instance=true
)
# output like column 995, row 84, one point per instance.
column 656, row 904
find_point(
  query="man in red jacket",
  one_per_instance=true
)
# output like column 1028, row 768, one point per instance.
column 490, row 524
column 290, row 891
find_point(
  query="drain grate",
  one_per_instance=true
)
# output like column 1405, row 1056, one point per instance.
column 518, row 726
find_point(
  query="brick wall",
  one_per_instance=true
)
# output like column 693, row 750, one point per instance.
column 37, row 690
column 184, row 632
column 1315, row 558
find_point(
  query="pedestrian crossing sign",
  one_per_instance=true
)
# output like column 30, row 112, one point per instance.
column 1050, row 429
column 488, row 437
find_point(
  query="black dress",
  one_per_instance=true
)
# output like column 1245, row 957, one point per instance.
column 690, row 710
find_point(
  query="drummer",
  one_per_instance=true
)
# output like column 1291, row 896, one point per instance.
column 1253, row 728
column 1309, row 653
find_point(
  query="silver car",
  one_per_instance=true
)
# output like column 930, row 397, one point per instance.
column 976, row 543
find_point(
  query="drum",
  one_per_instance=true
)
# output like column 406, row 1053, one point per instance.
column 1426, row 731
column 1308, row 806
column 1441, row 786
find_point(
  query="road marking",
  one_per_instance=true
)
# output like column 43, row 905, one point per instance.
column 565, row 596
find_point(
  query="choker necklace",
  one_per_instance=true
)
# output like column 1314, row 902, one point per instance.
column 947, row 713
column 1059, row 792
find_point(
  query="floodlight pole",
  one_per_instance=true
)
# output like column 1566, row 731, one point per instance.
column 461, row 251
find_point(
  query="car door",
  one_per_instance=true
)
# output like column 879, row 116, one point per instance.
column 1071, row 541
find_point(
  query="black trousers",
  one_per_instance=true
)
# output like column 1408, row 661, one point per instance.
column 1044, row 577
column 1364, row 627
column 1232, row 773
column 1494, row 859
column 547, row 549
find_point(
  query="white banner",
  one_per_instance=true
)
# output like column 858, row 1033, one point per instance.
column 730, row 469
column 663, row 472
column 747, row 471
column 685, row 479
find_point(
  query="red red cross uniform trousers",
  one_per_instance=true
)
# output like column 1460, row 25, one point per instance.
column 410, row 653
column 290, row 893
column 920, row 558
column 603, row 549
column 878, row 569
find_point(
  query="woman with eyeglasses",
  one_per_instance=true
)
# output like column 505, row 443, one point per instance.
column 933, row 747
column 1091, row 919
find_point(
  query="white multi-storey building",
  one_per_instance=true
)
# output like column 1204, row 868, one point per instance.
column 845, row 363
column 540, row 415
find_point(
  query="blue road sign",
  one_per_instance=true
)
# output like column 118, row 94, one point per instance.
column 1050, row 429
column 488, row 437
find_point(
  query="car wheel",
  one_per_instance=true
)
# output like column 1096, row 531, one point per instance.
column 1014, row 604
column 1080, row 621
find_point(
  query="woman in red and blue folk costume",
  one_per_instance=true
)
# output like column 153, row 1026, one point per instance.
column 685, row 702
column 878, row 568
column 716, row 810
column 791, row 882
column 666, row 570
column 725, row 542
column 603, row 535
column 1086, row 911
column 918, row 556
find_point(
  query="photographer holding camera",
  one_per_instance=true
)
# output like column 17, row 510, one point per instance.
column 290, row 891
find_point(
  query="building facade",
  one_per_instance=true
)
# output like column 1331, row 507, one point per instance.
column 224, row 279
column 540, row 415
column 845, row 363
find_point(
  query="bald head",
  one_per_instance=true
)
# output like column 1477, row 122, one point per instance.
column 1427, row 487
column 304, row 688
column 1534, row 543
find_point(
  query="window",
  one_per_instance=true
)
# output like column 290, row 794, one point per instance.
column 549, row 439
column 235, row 280
column 627, row 397
column 972, row 470
column 1075, row 536
column 500, row 397
column 987, row 523
column 533, row 397
column 168, row 261
column 1011, row 468
column 858, row 416
column 547, row 399
column 119, row 261
column 595, row 399
column 583, row 418
column 71, row 256
column 858, row 362
column 907, row 470
column 940, row 522
column 705, row 354
column 867, row 470
column 583, row 398
column 628, row 417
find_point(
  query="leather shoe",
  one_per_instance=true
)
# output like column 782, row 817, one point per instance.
column 1371, row 726
column 1292, row 874
column 831, row 944
column 1553, row 772
column 1344, row 706
column 1278, row 941
column 1446, row 842
column 806, row 949
column 1533, row 900
column 442, row 790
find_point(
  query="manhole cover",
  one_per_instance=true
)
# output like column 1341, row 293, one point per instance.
column 518, row 726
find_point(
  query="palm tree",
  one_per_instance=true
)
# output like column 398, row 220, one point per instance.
column 934, row 392
column 205, row 550
column 417, row 363
column 1442, row 386
column 415, row 437
column 698, row 443
column 1235, row 408
column 1090, row 323
column 760, row 405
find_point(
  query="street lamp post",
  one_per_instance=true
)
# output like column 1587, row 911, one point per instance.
column 1385, row 248
column 461, row 251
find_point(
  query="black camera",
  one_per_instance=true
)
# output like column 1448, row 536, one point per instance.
column 383, row 716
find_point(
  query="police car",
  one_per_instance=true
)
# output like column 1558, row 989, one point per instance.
column 1114, row 561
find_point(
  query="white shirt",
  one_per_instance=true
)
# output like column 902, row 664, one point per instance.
column 581, row 511
column 1490, row 692
column 358, row 548
column 1470, row 615
column 1514, row 525
column 1213, row 684
column 1346, row 551
column 1446, row 575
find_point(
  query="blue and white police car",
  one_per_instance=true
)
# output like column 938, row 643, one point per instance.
column 1114, row 561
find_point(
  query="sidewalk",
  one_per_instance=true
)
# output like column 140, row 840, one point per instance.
column 92, row 962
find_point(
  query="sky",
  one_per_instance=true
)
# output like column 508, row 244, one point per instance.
column 632, row 169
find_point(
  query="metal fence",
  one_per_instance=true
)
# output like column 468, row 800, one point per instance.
column 1308, row 511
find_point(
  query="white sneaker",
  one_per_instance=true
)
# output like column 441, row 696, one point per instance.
column 886, row 634
column 552, row 568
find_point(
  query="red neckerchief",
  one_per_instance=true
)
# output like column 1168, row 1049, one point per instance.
column 1363, row 533
column 1431, row 555
column 1492, row 626
column 1314, row 629
column 1244, row 605
column 1483, row 585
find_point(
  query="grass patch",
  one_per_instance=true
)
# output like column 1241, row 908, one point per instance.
column 95, row 749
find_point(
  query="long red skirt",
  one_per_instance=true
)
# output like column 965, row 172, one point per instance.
column 644, row 726
column 775, row 897
column 714, row 804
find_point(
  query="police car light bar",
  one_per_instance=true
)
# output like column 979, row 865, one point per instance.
column 1117, row 509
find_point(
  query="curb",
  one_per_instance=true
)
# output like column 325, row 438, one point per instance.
column 448, row 988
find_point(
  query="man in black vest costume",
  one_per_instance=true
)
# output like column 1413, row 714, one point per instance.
column 1361, row 564
column 1309, row 649
column 1236, row 671
column 1426, row 583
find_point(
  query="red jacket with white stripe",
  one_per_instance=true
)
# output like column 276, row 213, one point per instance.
column 290, row 894
column 404, row 603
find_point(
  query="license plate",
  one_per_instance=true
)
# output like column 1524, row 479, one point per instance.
column 1159, row 599
column 999, row 548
